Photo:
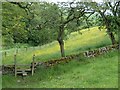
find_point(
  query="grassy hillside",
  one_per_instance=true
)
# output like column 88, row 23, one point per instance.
column 90, row 39
column 99, row 72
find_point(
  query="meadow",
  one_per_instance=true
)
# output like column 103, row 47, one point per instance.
column 90, row 39
column 98, row 72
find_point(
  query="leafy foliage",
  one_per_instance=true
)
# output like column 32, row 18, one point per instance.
column 40, row 23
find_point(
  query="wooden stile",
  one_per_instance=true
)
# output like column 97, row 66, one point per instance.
column 25, row 70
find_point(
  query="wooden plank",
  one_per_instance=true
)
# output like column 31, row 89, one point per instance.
column 23, row 73
column 23, row 70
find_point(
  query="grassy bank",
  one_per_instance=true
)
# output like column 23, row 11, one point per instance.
column 98, row 72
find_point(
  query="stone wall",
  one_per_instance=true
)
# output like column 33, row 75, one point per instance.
column 93, row 53
column 7, row 69
column 87, row 54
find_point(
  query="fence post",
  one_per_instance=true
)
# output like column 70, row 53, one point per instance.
column 33, row 48
column 26, row 48
column 15, row 63
column 5, row 53
column 16, row 50
column 33, row 64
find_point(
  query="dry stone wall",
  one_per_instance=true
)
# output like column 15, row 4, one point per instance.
column 87, row 54
column 93, row 53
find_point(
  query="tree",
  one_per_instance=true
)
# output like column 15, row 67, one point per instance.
column 12, row 25
column 25, row 26
column 115, row 9
column 53, row 18
column 58, row 17
column 102, row 10
column 61, row 16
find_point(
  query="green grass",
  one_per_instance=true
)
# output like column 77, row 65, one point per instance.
column 76, row 43
column 98, row 72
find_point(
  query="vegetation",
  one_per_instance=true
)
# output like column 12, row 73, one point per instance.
column 40, row 23
column 86, row 72
column 51, row 51
column 99, row 72
column 54, row 30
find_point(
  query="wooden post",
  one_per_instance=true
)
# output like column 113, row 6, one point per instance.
column 5, row 53
column 15, row 63
column 16, row 50
column 33, row 64
column 33, row 48
column 26, row 48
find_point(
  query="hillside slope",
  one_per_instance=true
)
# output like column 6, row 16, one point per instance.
column 90, row 39
column 98, row 72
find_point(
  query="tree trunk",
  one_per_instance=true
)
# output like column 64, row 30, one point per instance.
column 60, row 40
column 110, row 33
column 107, row 23
column 119, row 41
column 61, row 43
column 112, row 37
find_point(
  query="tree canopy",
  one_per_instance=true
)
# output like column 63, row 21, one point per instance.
column 37, row 23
